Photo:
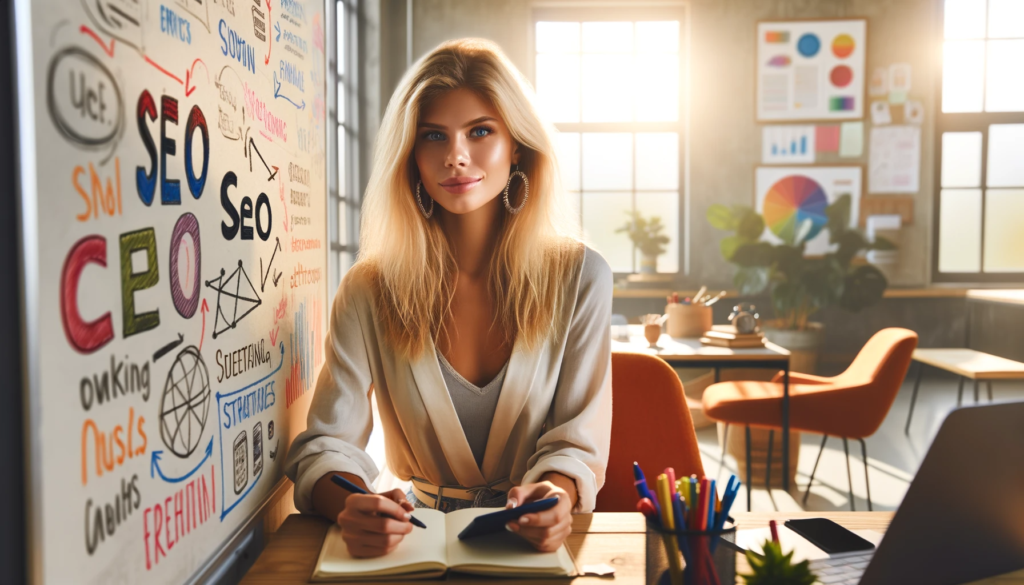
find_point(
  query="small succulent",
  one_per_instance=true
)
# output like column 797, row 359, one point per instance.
column 645, row 233
column 775, row 568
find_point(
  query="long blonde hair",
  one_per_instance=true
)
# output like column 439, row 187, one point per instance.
column 409, row 258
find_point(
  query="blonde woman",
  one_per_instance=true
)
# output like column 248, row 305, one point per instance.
column 473, row 313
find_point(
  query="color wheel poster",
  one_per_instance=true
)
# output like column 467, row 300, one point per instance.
column 811, row 70
column 793, row 201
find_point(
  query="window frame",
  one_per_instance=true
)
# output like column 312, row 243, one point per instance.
column 965, row 122
column 343, row 240
column 679, row 11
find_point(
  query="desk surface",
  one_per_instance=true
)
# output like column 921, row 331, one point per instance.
column 616, row 539
column 678, row 349
column 971, row 364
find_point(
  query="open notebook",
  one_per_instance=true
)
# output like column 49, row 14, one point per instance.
column 429, row 552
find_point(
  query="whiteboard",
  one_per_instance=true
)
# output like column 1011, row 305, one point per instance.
column 811, row 70
column 178, row 271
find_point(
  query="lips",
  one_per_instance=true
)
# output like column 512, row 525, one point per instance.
column 458, row 185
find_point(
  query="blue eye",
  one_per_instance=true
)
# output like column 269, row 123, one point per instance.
column 433, row 136
column 480, row 131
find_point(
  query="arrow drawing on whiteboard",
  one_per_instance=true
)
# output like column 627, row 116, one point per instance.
column 167, row 348
column 154, row 465
column 252, row 148
column 278, row 94
column 204, row 310
column 264, row 275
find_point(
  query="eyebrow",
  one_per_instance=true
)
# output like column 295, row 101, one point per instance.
column 466, row 125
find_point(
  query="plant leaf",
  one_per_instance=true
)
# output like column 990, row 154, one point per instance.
column 728, row 246
column 760, row 254
column 863, row 287
column 881, row 243
column 850, row 243
column 721, row 217
column 751, row 280
column 751, row 225
column 838, row 214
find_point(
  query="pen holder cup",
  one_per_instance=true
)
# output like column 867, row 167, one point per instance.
column 687, row 320
column 703, row 557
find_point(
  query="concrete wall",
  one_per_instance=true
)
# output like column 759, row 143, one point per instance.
column 725, row 138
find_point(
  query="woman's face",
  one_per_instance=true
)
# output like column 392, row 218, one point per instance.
column 464, row 151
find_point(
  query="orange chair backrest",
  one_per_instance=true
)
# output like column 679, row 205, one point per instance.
column 651, row 425
column 879, row 369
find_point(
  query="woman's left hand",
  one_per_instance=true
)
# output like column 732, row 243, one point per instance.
column 546, row 530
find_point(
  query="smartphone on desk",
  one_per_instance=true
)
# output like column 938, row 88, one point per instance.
column 495, row 521
column 828, row 536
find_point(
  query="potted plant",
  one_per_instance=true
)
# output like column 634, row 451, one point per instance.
column 647, row 237
column 800, row 285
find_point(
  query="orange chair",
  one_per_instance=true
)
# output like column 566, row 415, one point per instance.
column 851, row 405
column 651, row 425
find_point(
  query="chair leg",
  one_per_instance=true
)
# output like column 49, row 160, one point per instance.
column 749, row 485
column 768, row 468
column 976, row 395
column 849, row 476
column 721, row 461
column 960, row 393
column 989, row 384
column 864, row 453
column 913, row 397
column 813, row 471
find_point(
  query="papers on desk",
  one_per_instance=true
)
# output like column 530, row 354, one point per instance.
column 803, row 550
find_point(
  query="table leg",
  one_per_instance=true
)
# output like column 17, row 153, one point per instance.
column 989, row 384
column 785, row 428
column 913, row 397
column 976, row 397
column 960, row 393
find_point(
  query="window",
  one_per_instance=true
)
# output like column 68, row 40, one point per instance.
column 611, row 81
column 343, row 200
column 980, row 141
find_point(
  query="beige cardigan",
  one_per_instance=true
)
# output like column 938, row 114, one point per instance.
column 554, row 411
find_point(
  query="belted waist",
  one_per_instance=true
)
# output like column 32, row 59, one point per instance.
column 429, row 493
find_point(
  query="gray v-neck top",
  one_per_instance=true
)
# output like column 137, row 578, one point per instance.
column 474, row 405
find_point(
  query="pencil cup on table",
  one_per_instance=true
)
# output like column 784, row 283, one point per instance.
column 687, row 320
column 703, row 562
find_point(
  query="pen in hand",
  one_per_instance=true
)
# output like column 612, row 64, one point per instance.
column 341, row 481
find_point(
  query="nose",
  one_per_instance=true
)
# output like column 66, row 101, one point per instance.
column 458, row 154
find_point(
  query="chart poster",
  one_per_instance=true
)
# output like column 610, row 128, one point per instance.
column 811, row 70
column 180, row 187
column 793, row 201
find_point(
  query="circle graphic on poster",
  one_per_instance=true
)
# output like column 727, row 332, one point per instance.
column 808, row 45
column 842, row 46
column 185, row 403
column 841, row 76
column 792, row 202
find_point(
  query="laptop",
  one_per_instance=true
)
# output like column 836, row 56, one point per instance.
column 963, row 516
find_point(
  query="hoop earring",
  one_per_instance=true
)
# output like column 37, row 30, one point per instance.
column 419, row 202
column 526, row 193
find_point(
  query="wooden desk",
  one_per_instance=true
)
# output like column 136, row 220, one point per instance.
column 611, row 538
column 683, row 352
column 967, row 364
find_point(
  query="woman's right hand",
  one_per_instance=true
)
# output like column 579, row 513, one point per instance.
column 372, row 525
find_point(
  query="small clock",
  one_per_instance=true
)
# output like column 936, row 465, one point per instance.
column 745, row 318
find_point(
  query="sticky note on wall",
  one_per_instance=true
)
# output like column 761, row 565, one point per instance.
column 851, row 139
column 826, row 138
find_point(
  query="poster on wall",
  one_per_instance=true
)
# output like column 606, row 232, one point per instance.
column 793, row 200
column 811, row 70
column 895, row 159
column 180, row 177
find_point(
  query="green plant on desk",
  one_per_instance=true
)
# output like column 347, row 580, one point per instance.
column 775, row 568
column 647, row 237
column 800, row 285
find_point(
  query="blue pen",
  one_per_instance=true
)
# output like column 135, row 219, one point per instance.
column 641, row 486
column 680, row 514
column 693, row 492
column 711, row 505
column 341, row 481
